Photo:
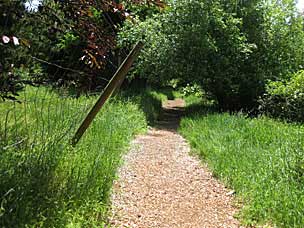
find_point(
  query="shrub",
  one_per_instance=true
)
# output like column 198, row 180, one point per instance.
column 285, row 99
column 230, row 53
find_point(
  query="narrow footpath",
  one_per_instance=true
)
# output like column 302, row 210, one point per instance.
column 160, row 185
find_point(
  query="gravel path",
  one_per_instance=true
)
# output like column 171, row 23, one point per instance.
column 161, row 185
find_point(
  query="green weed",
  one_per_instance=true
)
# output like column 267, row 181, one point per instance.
column 44, row 182
column 262, row 159
column 149, row 100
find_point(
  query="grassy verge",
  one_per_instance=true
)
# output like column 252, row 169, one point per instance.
column 262, row 159
column 46, row 183
column 150, row 102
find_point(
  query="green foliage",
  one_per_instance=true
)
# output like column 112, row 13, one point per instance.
column 72, row 42
column 151, row 30
column 144, row 11
column 12, row 56
column 192, row 95
column 261, row 159
column 44, row 182
column 216, row 43
column 67, row 41
column 230, row 48
column 97, row 14
column 192, row 90
column 285, row 99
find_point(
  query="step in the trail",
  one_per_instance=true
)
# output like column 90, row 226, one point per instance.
column 171, row 118
column 171, row 114
column 173, row 110
column 167, row 122
column 168, row 125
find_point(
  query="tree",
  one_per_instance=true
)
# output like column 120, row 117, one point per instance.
column 230, row 49
column 193, row 41
column 65, row 43
column 11, row 80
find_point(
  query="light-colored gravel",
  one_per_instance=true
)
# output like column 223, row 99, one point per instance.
column 161, row 185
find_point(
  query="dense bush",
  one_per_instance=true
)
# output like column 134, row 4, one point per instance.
column 192, row 41
column 12, row 74
column 285, row 99
column 230, row 48
column 63, row 40
column 63, row 43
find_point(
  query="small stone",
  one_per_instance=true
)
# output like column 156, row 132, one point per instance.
column 230, row 193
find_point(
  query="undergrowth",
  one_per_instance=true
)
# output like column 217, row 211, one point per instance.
column 44, row 182
column 262, row 159
column 149, row 100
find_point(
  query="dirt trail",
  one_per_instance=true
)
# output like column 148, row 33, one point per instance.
column 161, row 185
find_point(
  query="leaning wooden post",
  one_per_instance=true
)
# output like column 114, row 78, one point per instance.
column 119, row 76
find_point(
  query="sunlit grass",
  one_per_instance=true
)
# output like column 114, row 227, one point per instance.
column 262, row 159
column 44, row 182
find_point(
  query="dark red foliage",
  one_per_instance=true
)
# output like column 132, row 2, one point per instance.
column 99, row 31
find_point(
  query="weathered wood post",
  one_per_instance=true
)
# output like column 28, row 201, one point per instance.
column 116, row 80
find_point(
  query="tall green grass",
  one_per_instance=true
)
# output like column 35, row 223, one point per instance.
column 262, row 159
column 44, row 182
column 149, row 100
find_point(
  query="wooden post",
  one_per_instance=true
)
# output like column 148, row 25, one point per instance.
column 118, row 77
column 119, row 84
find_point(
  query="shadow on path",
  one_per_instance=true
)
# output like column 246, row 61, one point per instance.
column 173, row 110
column 161, row 186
